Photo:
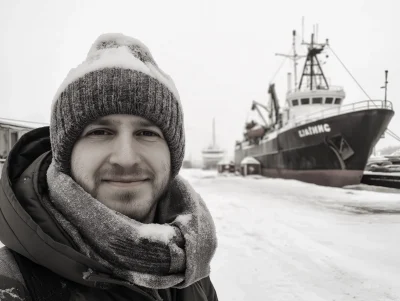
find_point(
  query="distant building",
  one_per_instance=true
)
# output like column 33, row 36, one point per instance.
column 226, row 165
column 11, row 131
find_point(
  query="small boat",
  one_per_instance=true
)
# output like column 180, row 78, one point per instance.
column 213, row 153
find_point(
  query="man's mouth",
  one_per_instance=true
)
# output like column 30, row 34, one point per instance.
column 125, row 182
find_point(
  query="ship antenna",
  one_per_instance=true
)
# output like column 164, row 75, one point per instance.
column 295, row 56
column 313, row 30
column 302, row 30
column 213, row 135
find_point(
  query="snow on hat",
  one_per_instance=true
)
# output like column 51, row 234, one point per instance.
column 119, row 76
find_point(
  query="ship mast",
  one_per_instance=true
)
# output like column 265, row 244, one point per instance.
column 385, row 86
column 295, row 57
column 213, row 133
column 312, row 67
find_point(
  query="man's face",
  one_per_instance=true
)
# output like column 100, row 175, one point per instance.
column 124, row 162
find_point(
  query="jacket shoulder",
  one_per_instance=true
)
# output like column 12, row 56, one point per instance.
column 202, row 290
column 12, row 285
column 209, row 289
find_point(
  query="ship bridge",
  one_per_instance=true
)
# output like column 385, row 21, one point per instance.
column 304, row 102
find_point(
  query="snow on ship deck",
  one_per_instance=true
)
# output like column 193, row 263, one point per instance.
column 394, row 174
column 385, row 179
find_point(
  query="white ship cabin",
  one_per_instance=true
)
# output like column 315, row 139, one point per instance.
column 301, row 104
column 313, row 97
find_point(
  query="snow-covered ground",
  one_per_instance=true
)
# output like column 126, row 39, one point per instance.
column 291, row 241
column 287, row 240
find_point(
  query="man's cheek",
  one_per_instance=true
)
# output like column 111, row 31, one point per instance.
column 165, row 166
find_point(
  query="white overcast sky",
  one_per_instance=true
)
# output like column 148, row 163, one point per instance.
column 220, row 53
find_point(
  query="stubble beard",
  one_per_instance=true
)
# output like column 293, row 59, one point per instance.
column 124, row 202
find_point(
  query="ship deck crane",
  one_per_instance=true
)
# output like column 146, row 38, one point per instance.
column 256, row 106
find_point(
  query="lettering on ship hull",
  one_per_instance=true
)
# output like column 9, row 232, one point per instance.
column 314, row 130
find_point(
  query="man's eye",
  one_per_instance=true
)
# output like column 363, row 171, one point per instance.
column 148, row 134
column 99, row 133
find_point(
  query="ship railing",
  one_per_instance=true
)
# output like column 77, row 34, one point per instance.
column 343, row 109
column 331, row 89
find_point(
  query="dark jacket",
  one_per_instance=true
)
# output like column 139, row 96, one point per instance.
column 29, row 230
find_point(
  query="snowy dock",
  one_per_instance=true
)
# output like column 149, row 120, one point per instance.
column 292, row 241
column 286, row 240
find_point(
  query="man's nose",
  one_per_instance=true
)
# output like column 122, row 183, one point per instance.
column 125, row 151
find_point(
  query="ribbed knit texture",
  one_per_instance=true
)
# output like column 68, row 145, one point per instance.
column 97, row 88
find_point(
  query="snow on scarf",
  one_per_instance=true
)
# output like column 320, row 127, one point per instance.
column 174, row 252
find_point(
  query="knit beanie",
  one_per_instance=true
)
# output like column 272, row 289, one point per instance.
column 119, row 76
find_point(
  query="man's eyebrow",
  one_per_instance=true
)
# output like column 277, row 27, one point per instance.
column 143, row 123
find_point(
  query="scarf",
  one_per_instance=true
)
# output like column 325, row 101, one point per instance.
column 174, row 252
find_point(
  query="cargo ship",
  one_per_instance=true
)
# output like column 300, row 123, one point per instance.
column 314, row 137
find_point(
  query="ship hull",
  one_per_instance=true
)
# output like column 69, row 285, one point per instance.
column 330, row 152
column 211, row 159
column 211, row 163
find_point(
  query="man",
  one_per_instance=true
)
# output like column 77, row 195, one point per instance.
column 92, row 207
